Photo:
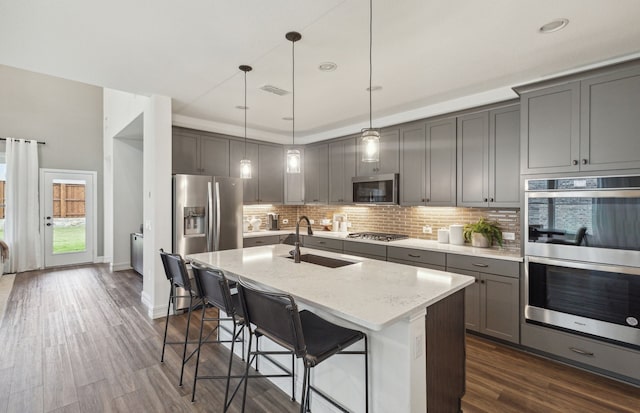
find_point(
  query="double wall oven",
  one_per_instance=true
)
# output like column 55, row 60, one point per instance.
column 582, row 256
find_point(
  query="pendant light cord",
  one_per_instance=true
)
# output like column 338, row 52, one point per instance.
column 370, row 61
column 293, row 93
column 245, row 115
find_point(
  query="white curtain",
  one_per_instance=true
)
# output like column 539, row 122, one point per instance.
column 22, row 222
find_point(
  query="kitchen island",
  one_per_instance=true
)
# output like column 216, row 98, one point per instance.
column 399, row 307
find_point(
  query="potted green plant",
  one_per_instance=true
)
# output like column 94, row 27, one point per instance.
column 483, row 233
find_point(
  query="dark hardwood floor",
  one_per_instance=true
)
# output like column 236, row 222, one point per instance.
column 78, row 340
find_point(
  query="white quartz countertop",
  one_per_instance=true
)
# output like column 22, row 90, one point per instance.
column 369, row 293
column 407, row 243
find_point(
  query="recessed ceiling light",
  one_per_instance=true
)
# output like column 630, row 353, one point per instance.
column 327, row 66
column 375, row 88
column 554, row 25
column 242, row 107
column 289, row 118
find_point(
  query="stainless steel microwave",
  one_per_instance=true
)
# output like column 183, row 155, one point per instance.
column 375, row 189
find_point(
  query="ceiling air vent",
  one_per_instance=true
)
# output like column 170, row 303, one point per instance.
column 275, row 90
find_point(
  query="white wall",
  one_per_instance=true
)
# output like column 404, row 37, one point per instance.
column 120, row 110
column 67, row 115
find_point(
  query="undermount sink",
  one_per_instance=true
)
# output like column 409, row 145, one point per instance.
column 324, row 261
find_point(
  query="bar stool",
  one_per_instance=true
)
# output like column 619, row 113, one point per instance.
column 308, row 336
column 176, row 271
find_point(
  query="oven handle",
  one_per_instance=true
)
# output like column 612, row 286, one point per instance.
column 601, row 193
column 583, row 265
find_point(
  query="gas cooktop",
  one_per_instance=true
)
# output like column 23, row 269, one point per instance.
column 377, row 236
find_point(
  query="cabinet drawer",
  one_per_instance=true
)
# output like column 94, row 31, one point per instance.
column 257, row 241
column 583, row 350
column 416, row 256
column 363, row 249
column 417, row 264
column 323, row 243
column 481, row 264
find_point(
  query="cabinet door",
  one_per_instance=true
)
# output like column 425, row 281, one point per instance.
column 473, row 159
column 471, row 300
column 610, row 113
column 271, row 172
column 349, row 170
column 550, row 129
column 413, row 156
column 389, row 162
column 184, row 155
column 441, row 163
column 500, row 307
column 504, row 157
column 316, row 174
column 236, row 154
column 342, row 168
column 214, row 156
column 294, row 183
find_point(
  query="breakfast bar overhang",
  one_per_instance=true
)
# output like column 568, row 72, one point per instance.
column 414, row 318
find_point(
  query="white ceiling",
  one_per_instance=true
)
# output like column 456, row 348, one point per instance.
column 430, row 56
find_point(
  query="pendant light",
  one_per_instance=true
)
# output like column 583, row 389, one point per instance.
column 370, row 136
column 245, row 164
column 293, row 155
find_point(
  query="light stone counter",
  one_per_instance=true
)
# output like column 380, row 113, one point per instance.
column 387, row 301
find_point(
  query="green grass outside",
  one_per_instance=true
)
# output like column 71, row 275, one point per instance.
column 69, row 239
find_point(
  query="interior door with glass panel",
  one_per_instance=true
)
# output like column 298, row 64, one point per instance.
column 68, row 221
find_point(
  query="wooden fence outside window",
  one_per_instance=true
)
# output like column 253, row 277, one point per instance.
column 68, row 200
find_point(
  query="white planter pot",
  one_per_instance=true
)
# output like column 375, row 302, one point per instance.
column 479, row 240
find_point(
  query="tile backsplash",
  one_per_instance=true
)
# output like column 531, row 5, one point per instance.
column 397, row 219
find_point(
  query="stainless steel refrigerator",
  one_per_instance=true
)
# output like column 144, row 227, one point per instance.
column 207, row 216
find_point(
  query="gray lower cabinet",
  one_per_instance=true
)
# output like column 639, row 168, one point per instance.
column 198, row 154
column 322, row 243
column 267, row 163
column 418, row 258
column 316, row 174
column 342, row 168
column 258, row 241
column 363, row 249
column 428, row 163
column 492, row 302
column 582, row 350
column 137, row 244
column 488, row 158
column 588, row 124
column 389, row 155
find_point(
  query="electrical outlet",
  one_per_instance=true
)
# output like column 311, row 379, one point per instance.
column 312, row 221
column 285, row 221
column 427, row 229
column 418, row 349
column 348, row 224
column 509, row 236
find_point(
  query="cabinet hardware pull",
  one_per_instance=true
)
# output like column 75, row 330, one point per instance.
column 479, row 265
column 580, row 351
column 490, row 199
column 321, row 242
column 428, row 200
column 259, row 242
column 481, row 281
column 414, row 256
column 584, row 161
column 423, row 200
column 486, row 200
column 575, row 162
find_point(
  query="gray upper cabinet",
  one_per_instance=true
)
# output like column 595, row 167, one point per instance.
column 389, row 162
column 316, row 174
column 294, row 183
column 428, row 163
column 200, row 155
column 342, row 167
column 550, row 129
column 267, row 171
column 588, row 124
column 610, row 121
column 488, row 158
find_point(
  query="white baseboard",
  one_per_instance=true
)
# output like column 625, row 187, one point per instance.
column 98, row 260
column 121, row 266
column 153, row 312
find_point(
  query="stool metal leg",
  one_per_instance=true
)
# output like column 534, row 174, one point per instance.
column 195, row 374
column 166, row 325
column 246, row 372
column 186, row 338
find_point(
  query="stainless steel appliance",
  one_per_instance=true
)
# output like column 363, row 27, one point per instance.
column 582, row 255
column 376, row 189
column 376, row 236
column 273, row 223
column 207, row 215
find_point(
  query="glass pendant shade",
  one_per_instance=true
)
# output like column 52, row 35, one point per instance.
column 293, row 161
column 370, row 145
column 245, row 169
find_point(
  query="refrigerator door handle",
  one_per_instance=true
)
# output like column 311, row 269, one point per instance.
column 216, row 237
column 209, row 216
